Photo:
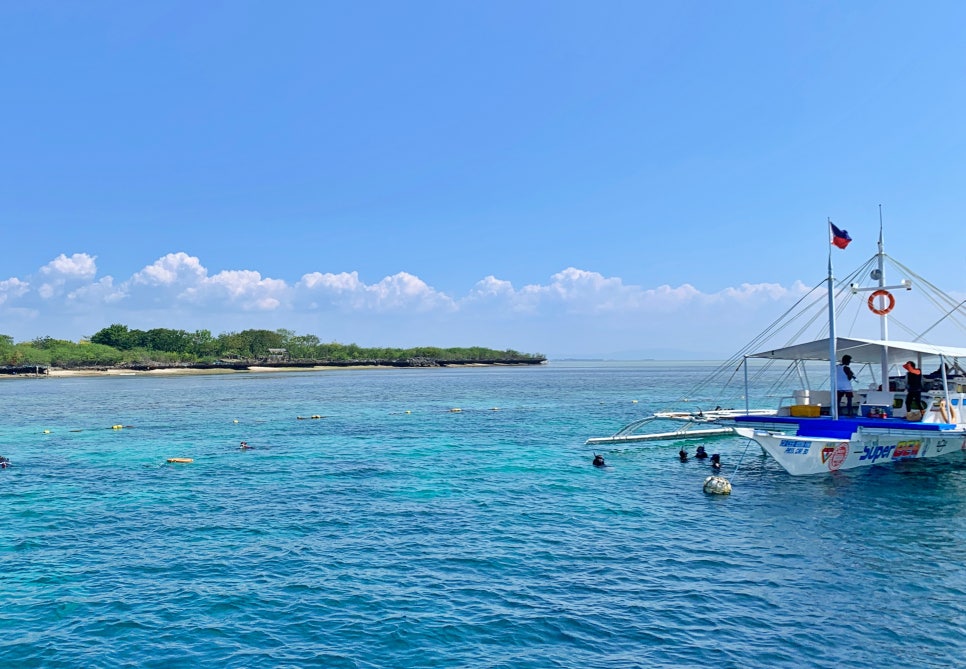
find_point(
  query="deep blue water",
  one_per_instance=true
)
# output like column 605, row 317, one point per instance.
column 396, row 533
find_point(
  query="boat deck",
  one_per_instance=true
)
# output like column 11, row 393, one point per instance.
column 843, row 428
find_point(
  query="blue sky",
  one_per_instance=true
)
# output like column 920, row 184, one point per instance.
column 572, row 178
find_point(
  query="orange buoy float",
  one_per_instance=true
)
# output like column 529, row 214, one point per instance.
column 890, row 302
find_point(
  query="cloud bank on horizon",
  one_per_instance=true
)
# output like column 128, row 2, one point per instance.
column 67, row 299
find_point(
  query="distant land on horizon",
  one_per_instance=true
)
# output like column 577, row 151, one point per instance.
column 636, row 355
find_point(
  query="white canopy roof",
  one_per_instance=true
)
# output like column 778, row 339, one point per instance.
column 861, row 350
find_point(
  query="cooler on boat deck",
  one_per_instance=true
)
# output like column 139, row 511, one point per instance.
column 804, row 410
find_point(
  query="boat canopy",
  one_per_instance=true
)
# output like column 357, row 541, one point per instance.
column 861, row 350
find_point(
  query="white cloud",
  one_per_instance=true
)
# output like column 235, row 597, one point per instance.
column 99, row 292
column 180, row 280
column 399, row 292
column 12, row 289
column 79, row 266
column 574, row 309
column 170, row 270
column 244, row 288
column 583, row 292
column 62, row 271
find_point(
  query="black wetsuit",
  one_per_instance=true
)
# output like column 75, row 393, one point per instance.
column 913, row 392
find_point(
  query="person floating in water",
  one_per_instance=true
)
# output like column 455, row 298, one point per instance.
column 4, row 462
column 244, row 445
column 701, row 454
column 715, row 461
column 683, row 455
column 599, row 460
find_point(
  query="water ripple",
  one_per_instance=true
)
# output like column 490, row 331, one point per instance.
column 377, row 538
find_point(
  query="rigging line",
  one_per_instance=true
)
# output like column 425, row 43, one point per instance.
column 778, row 322
column 811, row 299
column 738, row 464
column 944, row 317
column 935, row 290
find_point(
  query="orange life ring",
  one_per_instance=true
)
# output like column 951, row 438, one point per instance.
column 881, row 293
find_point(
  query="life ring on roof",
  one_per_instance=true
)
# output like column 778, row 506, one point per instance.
column 891, row 302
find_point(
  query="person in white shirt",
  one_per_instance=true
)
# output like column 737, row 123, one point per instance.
column 843, row 383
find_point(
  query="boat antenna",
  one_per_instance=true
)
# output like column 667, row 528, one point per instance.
column 833, row 381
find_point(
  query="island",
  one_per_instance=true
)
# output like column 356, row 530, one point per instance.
column 119, row 349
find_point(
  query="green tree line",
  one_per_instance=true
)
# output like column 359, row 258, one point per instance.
column 118, row 345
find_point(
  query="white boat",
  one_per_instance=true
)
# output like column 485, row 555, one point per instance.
column 807, row 433
column 811, row 439
column 812, row 436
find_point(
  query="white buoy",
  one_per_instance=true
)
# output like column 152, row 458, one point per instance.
column 717, row 485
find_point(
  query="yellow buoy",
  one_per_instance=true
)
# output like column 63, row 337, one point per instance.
column 235, row 421
column 408, row 411
column 117, row 427
column 46, row 431
column 455, row 410
column 183, row 460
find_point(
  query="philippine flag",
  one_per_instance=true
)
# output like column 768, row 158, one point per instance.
column 840, row 238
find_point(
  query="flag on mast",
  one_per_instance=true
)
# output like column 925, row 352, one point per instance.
column 840, row 238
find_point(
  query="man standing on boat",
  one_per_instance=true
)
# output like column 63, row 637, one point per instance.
column 913, row 387
column 843, row 381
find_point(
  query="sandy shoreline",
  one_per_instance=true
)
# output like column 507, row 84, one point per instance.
column 191, row 371
column 177, row 371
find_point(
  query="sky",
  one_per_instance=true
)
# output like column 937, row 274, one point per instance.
column 578, row 179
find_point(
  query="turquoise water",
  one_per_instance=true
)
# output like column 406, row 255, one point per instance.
column 393, row 532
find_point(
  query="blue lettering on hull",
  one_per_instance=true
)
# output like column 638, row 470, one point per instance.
column 795, row 447
column 876, row 453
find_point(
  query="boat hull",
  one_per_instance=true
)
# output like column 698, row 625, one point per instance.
column 804, row 455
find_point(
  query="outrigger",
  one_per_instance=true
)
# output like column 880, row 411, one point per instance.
column 632, row 431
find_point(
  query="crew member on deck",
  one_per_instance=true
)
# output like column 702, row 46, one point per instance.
column 843, row 382
column 913, row 387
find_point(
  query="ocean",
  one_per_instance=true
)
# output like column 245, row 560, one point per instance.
column 392, row 531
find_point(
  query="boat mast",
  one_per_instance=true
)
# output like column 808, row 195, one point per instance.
column 884, row 319
column 878, row 275
column 834, row 399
